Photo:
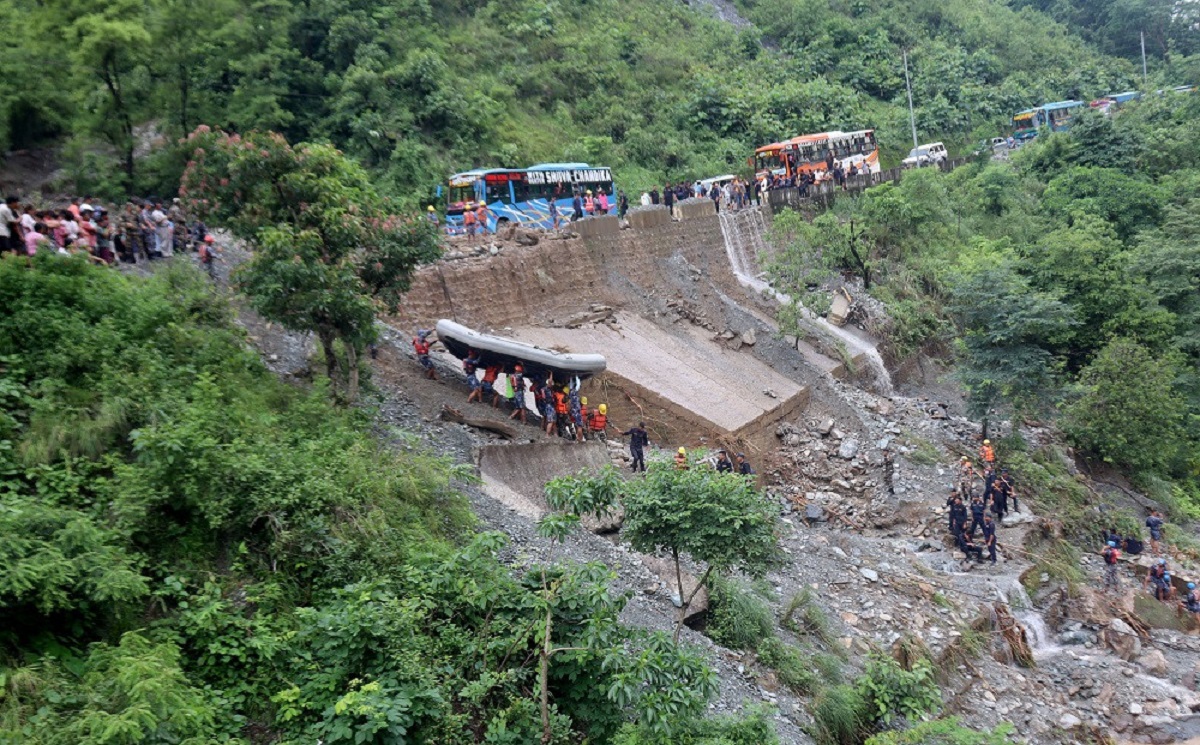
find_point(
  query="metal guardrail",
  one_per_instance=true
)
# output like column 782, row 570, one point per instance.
column 824, row 194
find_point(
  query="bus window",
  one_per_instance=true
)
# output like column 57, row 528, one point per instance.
column 872, row 146
column 461, row 194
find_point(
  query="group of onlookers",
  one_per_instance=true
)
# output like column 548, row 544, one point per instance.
column 143, row 229
column 733, row 194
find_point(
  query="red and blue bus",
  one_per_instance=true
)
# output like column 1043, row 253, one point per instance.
column 523, row 195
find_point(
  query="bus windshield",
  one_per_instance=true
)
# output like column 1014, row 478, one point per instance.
column 769, row 161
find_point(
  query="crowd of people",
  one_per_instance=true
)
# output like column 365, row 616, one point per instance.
column 733, row 194
column 978, row 501
column 1158, row 580
column 141, row 229
column 557, row 406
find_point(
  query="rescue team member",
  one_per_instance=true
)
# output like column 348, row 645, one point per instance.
column 560, row 406
column 989, row 537
column 681, row 461
column 421, row 347
column 743, row 465
column 978, row 509
column 469, row 222
column 1111, row 556
column 589, row 203
column 987, row 453
column 575, row 404
column 490, row 373
column 470, row 365
column 481, row 218
column 638, row 440
column 1191, row 601
column 598, row 424
column 517, row 381
column 724, row 465
column 549, row 409
column 968, row 546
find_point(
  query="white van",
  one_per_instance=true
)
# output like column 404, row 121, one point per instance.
column 925, row 155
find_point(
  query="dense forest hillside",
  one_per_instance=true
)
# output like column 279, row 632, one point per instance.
column 660, row 90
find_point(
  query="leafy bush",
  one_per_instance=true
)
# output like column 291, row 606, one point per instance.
column 891, row 691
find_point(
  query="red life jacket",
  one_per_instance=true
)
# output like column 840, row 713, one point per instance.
column 560, row 402
column 589, row 204
column 421, row 346
column 599, row 421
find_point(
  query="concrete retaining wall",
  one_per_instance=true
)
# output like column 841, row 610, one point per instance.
column 527, row 283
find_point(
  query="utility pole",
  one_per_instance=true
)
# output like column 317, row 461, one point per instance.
column 912, row 118
column 1143, row 35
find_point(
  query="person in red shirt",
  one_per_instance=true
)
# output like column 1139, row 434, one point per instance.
column 421, row 347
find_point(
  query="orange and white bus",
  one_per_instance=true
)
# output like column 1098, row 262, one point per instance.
column 809, row 154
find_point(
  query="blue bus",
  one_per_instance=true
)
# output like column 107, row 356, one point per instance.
column 1056, row 116
column 522, row 195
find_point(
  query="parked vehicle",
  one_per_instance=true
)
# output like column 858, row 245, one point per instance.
column 925, row 155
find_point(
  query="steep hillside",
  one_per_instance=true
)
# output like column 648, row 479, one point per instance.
column 417, row 88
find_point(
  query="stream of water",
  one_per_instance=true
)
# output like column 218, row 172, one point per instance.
column 743, row 232
column 1037, row 633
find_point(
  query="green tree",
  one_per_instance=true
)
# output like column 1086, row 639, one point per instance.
column 109, row 42
column 1007, row 332
column 1126, row 410
column 721, row 520
column 329, row 251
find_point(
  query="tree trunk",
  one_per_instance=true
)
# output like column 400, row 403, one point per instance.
column 985, row 426
column 351, row 371
column 331, row 360
column 112, row 81
column 544, row 678
column 183, row 98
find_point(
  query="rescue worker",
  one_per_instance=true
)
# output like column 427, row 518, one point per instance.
column 576, row 408
column 589, row 203
column 481, row 218
column 1004, row 483
column 724, row 465
column 598, row 423
column 432, row 216
column 516, row 381
column 989, row 537
column 743, row 465
column 638, row 440
column 420, row 344
column 560, row 408
column 681, row 461
column 1159, row 578
column 576, row 208
column 950, row 510
column 978, row 510
column 470, row 365
column 1155, row 525
column 987, row 454
column 958, row 516
column 968, row 546
column 548, row 407
column 989, row 483
column 1191, row 601
column 966, row 477
column 468, row 218
column 585, row 416
column 490, row 373
column 1111, row 555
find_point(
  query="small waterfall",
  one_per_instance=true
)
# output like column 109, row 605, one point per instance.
column 744, row 233
column 1041, row 639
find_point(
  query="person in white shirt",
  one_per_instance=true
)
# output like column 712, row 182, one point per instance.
column 645, row 200
column 8, row 225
